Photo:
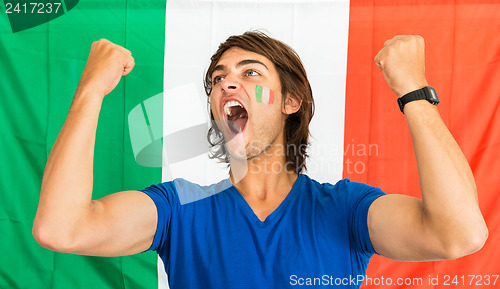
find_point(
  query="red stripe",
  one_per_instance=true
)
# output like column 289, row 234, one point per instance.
column 271, row 96
column 463, row 65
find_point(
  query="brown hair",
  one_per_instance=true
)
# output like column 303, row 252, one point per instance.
column 293, row 81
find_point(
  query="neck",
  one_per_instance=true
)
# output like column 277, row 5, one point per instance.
column 263, row 177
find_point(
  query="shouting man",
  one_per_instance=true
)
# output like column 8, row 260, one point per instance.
column 262, row 228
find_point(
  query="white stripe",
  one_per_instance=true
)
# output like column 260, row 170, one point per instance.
column 317, row 30
column 265, row 95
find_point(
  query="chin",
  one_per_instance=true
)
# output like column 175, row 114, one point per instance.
column 236, row 146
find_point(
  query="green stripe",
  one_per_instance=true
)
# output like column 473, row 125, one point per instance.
column 258, row 93
column 52, row 57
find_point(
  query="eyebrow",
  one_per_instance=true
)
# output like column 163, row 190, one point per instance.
column 239, row 64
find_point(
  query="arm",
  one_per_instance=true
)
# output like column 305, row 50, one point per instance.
column 67, row 219
column 446, row 223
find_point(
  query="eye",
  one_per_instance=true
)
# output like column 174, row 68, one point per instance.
column 217, row 79
column 251, row 72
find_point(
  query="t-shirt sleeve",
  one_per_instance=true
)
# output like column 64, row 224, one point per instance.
column 359, row 198
column 164, row 196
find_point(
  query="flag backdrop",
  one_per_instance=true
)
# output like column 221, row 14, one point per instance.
column 463, row 65
column 358, row 130
column 39, row 71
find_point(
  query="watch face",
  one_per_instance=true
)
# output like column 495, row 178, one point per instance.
column 432, row 96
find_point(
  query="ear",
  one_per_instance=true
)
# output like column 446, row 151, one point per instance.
column 292, row 104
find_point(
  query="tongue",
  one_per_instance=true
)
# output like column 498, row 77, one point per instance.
column 238, row 120
column 238, row 124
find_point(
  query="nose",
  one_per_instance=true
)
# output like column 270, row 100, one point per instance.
column 230, row 83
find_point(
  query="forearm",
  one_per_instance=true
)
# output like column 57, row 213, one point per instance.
column 66, row 191
column 450, row 204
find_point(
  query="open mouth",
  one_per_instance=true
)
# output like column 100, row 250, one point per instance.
column 235, row 115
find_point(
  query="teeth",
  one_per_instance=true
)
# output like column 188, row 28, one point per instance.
column 229, row 104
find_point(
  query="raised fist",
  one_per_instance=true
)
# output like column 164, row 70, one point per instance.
column 402, row 60
column 106, row 64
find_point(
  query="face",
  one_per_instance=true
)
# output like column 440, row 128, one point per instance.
column 250, row 120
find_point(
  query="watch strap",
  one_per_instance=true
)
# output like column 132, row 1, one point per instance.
column 428, row 93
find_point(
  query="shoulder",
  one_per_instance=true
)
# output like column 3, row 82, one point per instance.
column 189, row 192
column 344, row 190
column 183, row 191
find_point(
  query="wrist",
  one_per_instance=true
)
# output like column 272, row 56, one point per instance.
column 87, row 91
column 86, row 99
column 426, row 93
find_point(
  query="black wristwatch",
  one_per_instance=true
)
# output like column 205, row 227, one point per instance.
column 428, row 93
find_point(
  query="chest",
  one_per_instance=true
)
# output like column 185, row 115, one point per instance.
column 299, row 240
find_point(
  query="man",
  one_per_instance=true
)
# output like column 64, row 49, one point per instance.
column 262, row 228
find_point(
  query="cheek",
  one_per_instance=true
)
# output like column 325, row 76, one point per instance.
column 269, row 115
column 264, row 94
column 268, row 106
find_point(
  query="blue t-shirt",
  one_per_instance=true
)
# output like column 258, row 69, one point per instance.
column 209, row 237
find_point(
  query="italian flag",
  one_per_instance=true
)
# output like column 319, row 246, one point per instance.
column 264, row 94
column 358, row 131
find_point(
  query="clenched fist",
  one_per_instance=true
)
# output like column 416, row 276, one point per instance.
column 402, row 60
column 106, row 64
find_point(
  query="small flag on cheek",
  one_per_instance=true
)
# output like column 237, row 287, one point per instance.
column 264, row 94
